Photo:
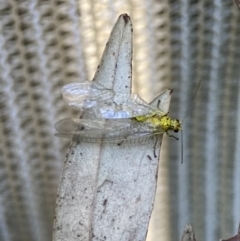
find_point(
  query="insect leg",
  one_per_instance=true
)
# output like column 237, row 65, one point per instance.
column 181, row 148
column 154, row 148
column 171, row 136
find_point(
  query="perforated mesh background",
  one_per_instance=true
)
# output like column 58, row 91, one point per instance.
column 44, row 44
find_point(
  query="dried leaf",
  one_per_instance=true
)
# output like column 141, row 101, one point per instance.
column 107, row 191
column 188, row 234
column 235, row 238
column 238, row 3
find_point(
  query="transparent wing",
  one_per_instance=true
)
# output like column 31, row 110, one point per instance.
column 94, row 130
column 105, row 103
column 74, row 126
column 122, row 106
column 85, row 94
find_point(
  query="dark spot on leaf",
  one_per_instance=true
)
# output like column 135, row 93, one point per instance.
column 149, row 157
column 105, row 202
column 138, row 199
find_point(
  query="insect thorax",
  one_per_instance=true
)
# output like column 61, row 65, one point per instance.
column 163, row 122
column 170, row 124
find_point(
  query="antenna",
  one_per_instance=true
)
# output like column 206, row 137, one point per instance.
column 181, row 147
column 194, row 97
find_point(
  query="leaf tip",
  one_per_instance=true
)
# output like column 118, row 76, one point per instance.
column 125, row 17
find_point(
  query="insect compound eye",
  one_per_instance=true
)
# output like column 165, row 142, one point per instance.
column 175, row 130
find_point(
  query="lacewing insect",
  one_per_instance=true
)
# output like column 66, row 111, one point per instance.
column 112, row 116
